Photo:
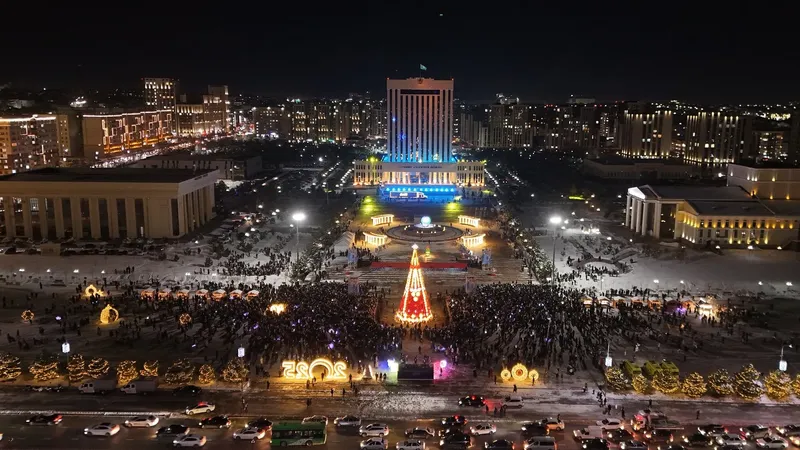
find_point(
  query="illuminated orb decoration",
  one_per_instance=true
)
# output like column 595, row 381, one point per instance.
column 277, row 308
column 109, row 315
column 519, row 373
column 185, row 319
column 415, row 306
column 28, row 315
column 425, row 221
column 91, row 291
column 304, row 371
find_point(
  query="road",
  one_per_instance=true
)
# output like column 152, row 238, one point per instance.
column 90, row 410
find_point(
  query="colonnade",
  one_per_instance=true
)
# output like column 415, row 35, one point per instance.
column 638, row 219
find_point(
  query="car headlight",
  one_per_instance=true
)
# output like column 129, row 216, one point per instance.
column 85, row 430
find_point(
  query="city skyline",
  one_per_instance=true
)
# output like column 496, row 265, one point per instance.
column 602, row 56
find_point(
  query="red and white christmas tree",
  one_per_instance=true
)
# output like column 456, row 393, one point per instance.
column 415, row 306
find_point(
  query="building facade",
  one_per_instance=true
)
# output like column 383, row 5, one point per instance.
column 33, row 142
column 228, row 167
column 110, row 134
column 646, row 135
column 766, row 182
column 717, row 138
column 55, row 203
column 160, row 93
column 623, row 169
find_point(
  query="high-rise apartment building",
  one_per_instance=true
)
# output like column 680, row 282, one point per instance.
column 217, row 107
column 204, row 116
column 160, row 93
column 717, row 138
column 646, row 135
column 420, row 120
column 269, row 120
column 770, row 145
column 108, row 134
column 509, row 125
column 794, row 139
column 32, row 142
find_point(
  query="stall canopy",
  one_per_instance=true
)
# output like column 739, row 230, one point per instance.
column 166, row 292
column 149, row 292
column 344, row 242
column 201, row 293
column 219, row 293
column 183, row 293
column 236, row 293
column 253, row 293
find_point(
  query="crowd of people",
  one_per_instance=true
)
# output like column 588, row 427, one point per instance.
column 272, row 263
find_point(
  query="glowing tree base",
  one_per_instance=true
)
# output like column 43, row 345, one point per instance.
column 415, row 307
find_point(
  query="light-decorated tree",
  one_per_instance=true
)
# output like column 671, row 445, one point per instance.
column 415, row 306
column 640, row 384
column 778, row 385
column 98, row 367
column 10, row 367
column 666, row 382
column 796, row 385
column 181, row 371
column 746, row 384
column 694, row 385
column 127, row 372
column 76, row 368
column 235, row 371
column 720, row 383
column 206, row 374
column 616, row 379
column 45, row 368
column 150, row 368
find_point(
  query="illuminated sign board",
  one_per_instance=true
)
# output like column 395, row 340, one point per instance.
column 304, row 371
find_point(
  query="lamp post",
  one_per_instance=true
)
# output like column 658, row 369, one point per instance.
column 782, row 365
column 298, row 217
column 555, row 221
column 65, row 350
column 609, row 361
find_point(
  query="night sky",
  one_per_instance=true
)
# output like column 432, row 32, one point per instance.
column 724, row 57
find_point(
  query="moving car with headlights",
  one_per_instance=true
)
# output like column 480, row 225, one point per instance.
column 610, row 423
column 513, row 401
column 420, row 433
column 261, row 423
column 658, row 436
column 540, row 443
column 190, row 440
column 172, row 431
column 594, row 444
column 201, row 408
column 698, row 440
column 215, row 422
column 454, row 421
column 102, row 429
column 772, row 442
column 671, row 447
column 751, row 432
column 347, row 421
column 534, row 429
column 593, row 432
column 619, row 435
column 374, row 429
column 374, row 443
column 472, row 400
column 632, row 445
column 456, row 440
column 553, row 423
column 730, row 439
column 712, row 430
column 249, row 434
column 141, row 422
column 316, row 419
column 480, row 429
column 410, row 444
column 499, row 444
column 788, row 430
column 42, row 419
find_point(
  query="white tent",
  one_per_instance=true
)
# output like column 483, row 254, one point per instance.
column 183, row 293
column 164, row 293
column 219, row 293
column 149, row 292
column 253, row 293
column 201, row 293
column 236, row 293
column 344, row 242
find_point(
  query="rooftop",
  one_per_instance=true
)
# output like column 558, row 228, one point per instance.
column 783, row 207
column 116, row 175
column 762, row 164
column 695, row 193
column 730, row 208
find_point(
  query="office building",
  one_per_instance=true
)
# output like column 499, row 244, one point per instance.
column 80, row 203
column 717, row 138
column 160, row 93
column 109, row 134
column 419, row 139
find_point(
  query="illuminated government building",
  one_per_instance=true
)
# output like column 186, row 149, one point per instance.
column 419, row 142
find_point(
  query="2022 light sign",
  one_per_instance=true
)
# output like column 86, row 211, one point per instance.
column 305, row 371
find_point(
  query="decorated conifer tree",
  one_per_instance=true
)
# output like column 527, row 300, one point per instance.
column 746, row 383
column 694, row 385
column 415, row 306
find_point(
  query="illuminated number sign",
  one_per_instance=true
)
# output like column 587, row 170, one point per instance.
column 304, row 371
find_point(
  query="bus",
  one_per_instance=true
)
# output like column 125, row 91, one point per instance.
column 298, row 433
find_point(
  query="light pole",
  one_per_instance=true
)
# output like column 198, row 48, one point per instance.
column 609, row 361
column 298, row 217
column 782, row 365
column 65, row 350
column 555, row 221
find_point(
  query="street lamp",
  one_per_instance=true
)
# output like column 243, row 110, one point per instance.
column 609, row 361
column 65, row 350
column 298, row 217
column 240, row 352
column 782, row 363
column 555, row 221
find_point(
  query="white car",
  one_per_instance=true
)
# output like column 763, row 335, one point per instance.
column 609, row 424
column 190, row 440
column 142, row 421
column 374, row 429
column 481, row 429
column 102, row 429
column 316, row 418
column 200, row 408
column 731, row 439
column 249, row 434
column 375, row 444
column 553, row 424
column 773, row 442
column 347, row 421
column 410, row 444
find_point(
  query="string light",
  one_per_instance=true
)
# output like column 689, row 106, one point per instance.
column 415, row 307
column 694, row 385
column 127, row 372
column 719, row 383
column 108, row 315
column 149, row 369
column 206, row 375
column 27, row 315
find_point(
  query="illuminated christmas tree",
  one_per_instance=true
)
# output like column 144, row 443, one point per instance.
column 415, row 306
